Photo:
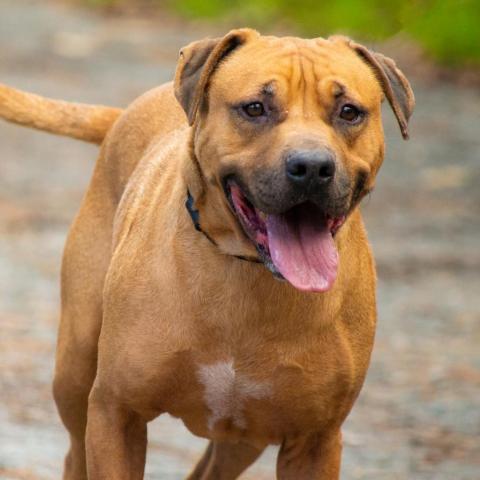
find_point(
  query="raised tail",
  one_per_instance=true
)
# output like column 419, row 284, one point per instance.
column 84, row 122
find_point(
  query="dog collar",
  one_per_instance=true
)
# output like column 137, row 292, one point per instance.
column 195, row 217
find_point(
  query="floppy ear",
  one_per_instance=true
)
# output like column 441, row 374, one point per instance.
column 198, row 61
column 394, row 84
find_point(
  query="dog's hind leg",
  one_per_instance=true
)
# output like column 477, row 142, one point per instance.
column 202, row 464
column 225, row 461
column 313, row 457
column 85, row 262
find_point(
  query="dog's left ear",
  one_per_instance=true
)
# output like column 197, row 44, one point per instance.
column 196, row 64
column 394, row 84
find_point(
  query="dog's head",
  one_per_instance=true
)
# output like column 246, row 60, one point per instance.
column 287, row 138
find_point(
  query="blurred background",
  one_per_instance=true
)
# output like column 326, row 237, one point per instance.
column 418, row 416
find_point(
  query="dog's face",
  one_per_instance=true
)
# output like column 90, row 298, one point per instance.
column 289, row 132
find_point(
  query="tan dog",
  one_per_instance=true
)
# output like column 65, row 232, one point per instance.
column 191, row 275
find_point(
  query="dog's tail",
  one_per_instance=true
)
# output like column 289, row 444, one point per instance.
column 84, row 122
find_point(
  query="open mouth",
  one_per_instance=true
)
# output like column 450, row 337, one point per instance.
column 296, row 245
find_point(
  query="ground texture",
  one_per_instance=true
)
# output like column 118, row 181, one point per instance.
column 418, row 416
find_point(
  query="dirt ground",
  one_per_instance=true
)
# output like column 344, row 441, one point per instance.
column 418, row 416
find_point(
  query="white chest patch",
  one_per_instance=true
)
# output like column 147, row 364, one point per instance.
column 226, row 392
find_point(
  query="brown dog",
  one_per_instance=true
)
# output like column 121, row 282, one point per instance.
column 191, row 275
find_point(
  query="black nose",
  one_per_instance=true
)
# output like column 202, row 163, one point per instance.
column 310, row 168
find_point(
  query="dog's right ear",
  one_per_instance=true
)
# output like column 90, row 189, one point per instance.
column 395, row 85
column 198, row 61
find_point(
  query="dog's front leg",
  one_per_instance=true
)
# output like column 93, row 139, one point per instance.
column 116, row 440
column 316, row 457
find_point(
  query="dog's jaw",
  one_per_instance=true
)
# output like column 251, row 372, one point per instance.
column 297, row 246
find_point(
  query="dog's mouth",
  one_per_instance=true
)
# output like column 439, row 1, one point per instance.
column 297, row 245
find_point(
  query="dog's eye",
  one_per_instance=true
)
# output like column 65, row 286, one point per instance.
column 254, row 109
column 350, row 113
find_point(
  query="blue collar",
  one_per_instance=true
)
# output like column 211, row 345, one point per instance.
column 195, row 216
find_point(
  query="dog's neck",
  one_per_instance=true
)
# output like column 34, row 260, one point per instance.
column 211, row 214
column 195, row 217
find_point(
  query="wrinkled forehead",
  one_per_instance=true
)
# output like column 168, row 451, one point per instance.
column 285, row 65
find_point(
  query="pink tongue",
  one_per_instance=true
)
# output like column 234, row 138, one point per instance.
column 302, row 249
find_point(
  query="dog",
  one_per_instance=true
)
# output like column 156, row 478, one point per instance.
column 218, row 269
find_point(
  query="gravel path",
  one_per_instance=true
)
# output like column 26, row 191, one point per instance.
column 418, row 416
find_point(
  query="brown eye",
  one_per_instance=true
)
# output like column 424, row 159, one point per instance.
column 350, row 113
column 254, row 109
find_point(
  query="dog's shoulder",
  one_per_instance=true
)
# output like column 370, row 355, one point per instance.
column 153, row 115
column 153, row 184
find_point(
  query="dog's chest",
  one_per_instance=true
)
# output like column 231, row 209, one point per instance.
column 229, row 400
column 227, row 393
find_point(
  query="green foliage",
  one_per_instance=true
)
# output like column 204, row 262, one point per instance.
column 312, row 16
column 449, row 30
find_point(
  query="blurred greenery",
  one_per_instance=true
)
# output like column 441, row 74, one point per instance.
column 447, row 30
